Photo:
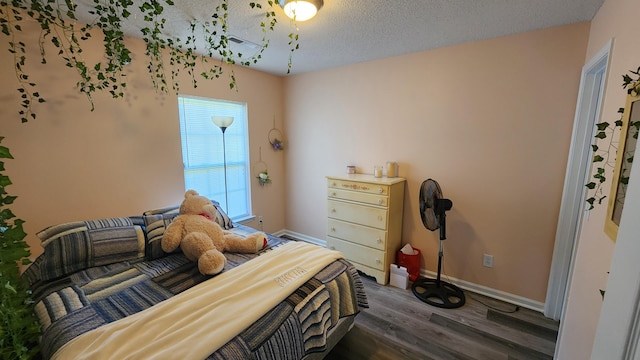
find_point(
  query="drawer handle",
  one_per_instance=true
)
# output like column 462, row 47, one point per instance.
column 333, row 194
column 333, row 229
column 378, row 261
column 380, row 191
column 334, row 184
column 379, row 241
column 333, row 210
column 379, row 201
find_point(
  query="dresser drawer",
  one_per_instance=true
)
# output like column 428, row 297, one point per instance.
column 361, row 254
column 358, row 186
column 359, row 234
column 363, row 197
column 360, row 214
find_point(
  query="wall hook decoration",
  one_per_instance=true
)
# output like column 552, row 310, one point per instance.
column 261, row 168
column 275, row 137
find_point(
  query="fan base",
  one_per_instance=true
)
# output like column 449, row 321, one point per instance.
column 438, row 293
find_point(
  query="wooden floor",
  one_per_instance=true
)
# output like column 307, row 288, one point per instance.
column 399, row 326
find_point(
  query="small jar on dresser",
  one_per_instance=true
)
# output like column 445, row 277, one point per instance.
column 365, row 221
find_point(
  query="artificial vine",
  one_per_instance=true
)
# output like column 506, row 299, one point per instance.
column 59, row 25
column 19, row 328
column 604, row 157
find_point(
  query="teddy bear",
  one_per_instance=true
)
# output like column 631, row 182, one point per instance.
column 202, row 239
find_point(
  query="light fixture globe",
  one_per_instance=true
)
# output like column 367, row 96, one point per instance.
column 223, row 122
column 301, row 10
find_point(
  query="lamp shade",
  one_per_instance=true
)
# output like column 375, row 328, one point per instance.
column 301, row 10
column 222, row 121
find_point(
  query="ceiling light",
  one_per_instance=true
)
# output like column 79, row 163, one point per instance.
column 301, row 10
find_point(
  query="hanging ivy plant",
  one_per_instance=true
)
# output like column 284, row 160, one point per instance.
column 19, row 328
column 605, row 148
column 60, row 26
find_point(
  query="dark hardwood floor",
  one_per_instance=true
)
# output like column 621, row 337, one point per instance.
column 399, row 326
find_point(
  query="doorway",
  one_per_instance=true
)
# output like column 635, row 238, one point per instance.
column 592, row 85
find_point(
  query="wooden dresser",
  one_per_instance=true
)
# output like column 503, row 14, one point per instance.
column 365, row 221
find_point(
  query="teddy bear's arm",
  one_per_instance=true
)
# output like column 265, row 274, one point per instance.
column 173, row 235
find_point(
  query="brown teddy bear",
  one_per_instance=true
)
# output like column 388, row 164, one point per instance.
column 202, row 239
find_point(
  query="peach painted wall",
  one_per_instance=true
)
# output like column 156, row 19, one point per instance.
column 616, row 19
column 124, row 157
column 490, row 121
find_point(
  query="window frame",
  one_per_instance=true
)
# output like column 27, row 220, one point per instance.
column 206, row 154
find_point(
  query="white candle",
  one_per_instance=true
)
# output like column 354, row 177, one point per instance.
column 377, row 171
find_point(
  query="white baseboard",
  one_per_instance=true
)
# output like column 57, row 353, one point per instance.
column 487, row 291
column 478, row 289
column 302, row 237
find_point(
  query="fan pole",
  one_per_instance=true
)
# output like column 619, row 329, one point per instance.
column 440, row 254
column 444, row 205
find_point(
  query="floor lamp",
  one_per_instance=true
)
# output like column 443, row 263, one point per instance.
column 223, row 122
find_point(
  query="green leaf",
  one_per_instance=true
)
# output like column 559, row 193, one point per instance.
column 5, row 153
column 10, row 288
column 4, row 181
column 597, row 158
column 8, row 200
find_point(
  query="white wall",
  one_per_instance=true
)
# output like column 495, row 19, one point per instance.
column 490, row 121
column 124, row 157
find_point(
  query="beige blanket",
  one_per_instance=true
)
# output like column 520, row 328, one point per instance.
column 196, row 322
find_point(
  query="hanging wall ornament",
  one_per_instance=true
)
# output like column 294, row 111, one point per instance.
column 261, row 168
column 275, row 137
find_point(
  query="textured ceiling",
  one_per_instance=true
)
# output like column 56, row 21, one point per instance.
column 351, row 31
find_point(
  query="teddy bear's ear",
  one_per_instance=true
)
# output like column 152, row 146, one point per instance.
column 190, row 193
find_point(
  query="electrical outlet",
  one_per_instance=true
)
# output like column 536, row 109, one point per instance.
column 260, row 219
column 487, row 260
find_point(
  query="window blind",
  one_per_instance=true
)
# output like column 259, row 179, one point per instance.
column 203, row 153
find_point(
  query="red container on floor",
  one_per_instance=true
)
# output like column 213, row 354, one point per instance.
column 411, row 262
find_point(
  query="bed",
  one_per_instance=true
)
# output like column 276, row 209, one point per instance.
column 104, row 289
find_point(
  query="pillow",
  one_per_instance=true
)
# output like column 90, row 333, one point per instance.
column 157, row 220
column 79, row 245
column 221, row 217
column 155, row 225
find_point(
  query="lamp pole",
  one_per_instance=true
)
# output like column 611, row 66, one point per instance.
column 223, row 122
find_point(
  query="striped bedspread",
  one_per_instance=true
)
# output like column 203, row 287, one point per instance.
column 70, row 306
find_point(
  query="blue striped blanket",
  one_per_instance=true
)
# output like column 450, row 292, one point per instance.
column 81, row 301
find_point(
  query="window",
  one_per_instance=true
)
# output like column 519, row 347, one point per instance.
column 203, row 154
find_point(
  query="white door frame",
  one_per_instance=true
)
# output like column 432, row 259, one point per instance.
column 592, row 85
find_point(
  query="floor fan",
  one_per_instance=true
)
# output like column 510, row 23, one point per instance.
column 432, row 211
